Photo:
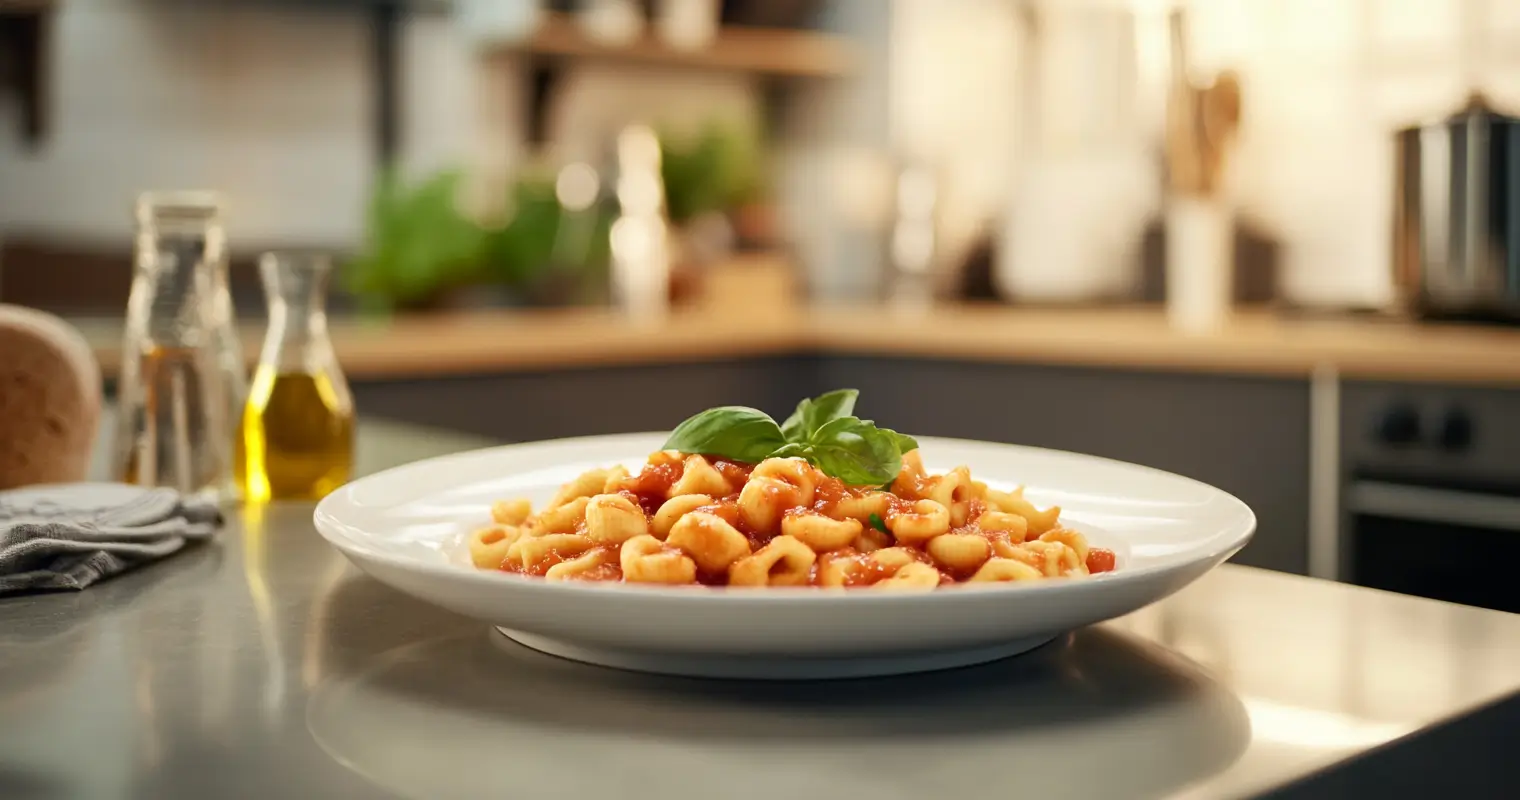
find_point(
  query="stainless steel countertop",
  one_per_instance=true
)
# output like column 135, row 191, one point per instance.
column 265, row 666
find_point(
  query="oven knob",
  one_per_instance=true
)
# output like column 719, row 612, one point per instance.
column 1456, row 431
column 1399, row 426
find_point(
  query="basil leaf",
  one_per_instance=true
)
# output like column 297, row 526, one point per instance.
column 790, row 450
column 821, row 430
column 856, row 452
column 905, row 443
column 735, row 432
column 878, row 524
column 815, row 413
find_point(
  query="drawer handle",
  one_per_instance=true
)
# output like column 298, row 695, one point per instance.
column 1426, row 504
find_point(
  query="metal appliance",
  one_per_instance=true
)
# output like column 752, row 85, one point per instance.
column 1431, row 493
column 1456, row 248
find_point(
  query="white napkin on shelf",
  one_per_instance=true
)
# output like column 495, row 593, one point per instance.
column 69, row 536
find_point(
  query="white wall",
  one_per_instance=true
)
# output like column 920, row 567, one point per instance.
column 273, row 105
column 270, row 106
column 1325, row 82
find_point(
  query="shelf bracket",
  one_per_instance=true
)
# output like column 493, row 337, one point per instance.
column 386, row 56
column 25, row 38
column 543, row 77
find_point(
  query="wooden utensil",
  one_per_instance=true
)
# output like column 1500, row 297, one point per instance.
column 1201, row 122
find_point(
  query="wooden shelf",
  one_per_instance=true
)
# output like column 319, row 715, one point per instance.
column 764, row 51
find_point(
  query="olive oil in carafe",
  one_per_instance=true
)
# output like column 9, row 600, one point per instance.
column 297, row 438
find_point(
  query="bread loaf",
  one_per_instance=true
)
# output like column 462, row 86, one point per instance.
column 50, row 399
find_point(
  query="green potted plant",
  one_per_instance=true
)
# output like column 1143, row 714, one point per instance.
column 550, row 255
column 422, row 252
column 714, row 189
column 717, row 169
column 418, row 245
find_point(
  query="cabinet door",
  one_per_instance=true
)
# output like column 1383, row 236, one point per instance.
column 1248, row 436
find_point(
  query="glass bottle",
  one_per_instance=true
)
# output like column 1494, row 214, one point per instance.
column 297, row 436
column 639, row 236
column 182, row 379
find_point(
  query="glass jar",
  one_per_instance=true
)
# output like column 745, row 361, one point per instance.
column 639, row 237
column 297, row 435
column 182, row 377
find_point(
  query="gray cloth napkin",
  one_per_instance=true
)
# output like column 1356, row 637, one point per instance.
column 70, row 536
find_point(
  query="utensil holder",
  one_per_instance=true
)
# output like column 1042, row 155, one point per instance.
column 1199, row 268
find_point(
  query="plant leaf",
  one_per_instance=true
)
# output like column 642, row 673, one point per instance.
column 856, row 451
column 812, row 414
column 905, row 443
column 417, row 241
column 790, row 450
column 735, row 432
column 878, row 524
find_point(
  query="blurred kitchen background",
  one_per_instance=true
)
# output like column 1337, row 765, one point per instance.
column 1025, row 121
column 1187, row 234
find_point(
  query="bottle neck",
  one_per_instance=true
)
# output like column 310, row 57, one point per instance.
column 180, row 277
column 171, row 298
column 297, row 339
column 296, row 321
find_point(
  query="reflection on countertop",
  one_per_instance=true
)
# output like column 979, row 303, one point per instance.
column 419, row 718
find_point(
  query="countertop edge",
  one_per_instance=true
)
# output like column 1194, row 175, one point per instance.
column 1253, row 345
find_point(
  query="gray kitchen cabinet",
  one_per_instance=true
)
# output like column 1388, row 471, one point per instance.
column 526, row 406
column 1248, row 436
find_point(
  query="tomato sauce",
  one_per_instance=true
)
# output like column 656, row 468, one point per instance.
column 726, row 509
column 735, row 472
column 651, row 487
column 828, row 492
column 871, row 571
column 653, row 483
column 602, row 572
column 541, row 566
column 1101, row 559
column 899, row 505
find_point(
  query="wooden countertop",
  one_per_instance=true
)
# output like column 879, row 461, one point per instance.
column 1253, row 344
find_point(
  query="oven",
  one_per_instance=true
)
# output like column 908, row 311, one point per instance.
column 1447, row 542
column 1431, row 493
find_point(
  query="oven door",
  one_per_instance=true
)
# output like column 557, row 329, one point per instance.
column 1458, row 544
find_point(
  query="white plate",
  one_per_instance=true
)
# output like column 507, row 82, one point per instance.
column 406, row 527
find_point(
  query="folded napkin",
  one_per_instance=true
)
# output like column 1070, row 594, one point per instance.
column 70, row 536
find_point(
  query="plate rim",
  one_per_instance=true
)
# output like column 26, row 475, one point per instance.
column 334, row 532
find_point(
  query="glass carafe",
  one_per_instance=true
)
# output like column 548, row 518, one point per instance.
column 297, row 437
column 182, row 376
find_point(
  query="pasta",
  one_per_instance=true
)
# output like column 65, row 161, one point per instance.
column 687, row 519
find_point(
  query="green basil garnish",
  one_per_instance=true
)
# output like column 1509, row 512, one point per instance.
column 905, row 443
column 822, row 430
column 855, row 451
column 817, row 412
column 736, row 432
column 878, row 524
